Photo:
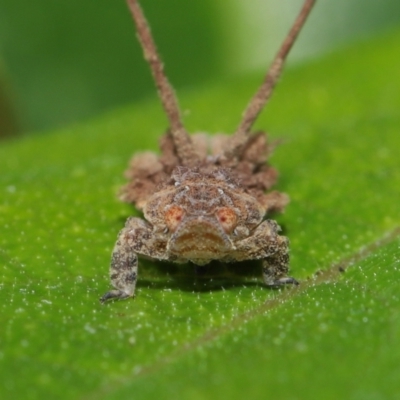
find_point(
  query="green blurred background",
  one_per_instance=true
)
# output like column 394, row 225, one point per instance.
column 65, row 61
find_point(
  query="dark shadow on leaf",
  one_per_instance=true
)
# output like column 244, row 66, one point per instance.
column 214, row 276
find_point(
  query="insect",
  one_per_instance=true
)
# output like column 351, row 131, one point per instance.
column 203, row 198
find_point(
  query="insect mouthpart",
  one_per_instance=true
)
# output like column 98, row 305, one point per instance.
column 199, row 239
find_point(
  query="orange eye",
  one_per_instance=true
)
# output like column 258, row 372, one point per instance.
column 227, row 218
column 173, row 217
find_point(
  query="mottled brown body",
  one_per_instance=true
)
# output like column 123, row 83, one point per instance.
column 203, row 198
column 213, row 211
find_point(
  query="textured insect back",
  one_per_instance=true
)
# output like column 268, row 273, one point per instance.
column 203, row 199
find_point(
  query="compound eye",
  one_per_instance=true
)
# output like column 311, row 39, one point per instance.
column 227, row 218
column 173, row 217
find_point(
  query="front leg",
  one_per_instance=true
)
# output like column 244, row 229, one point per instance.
column 276, row 266
column 135, row 238
column 272, row 249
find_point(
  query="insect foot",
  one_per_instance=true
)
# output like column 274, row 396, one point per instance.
column 136, row 238
column 276, row 266
column 203, row 198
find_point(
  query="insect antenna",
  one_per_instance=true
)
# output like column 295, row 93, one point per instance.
column 183, row 143
column 264, row 92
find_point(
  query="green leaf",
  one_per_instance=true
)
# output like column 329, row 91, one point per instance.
column 223, row 334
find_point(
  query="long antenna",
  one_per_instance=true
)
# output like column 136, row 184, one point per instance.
column 181, row 138
column 264, row 92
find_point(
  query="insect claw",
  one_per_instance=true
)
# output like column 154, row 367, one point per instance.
column 114, row 294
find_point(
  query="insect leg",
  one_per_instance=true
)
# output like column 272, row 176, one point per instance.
column 267, row 245
column 124, row 260
column 275, row 267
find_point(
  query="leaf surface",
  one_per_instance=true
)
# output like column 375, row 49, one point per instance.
column 221, row 334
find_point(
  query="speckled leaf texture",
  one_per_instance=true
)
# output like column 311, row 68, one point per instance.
column 218, row 334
